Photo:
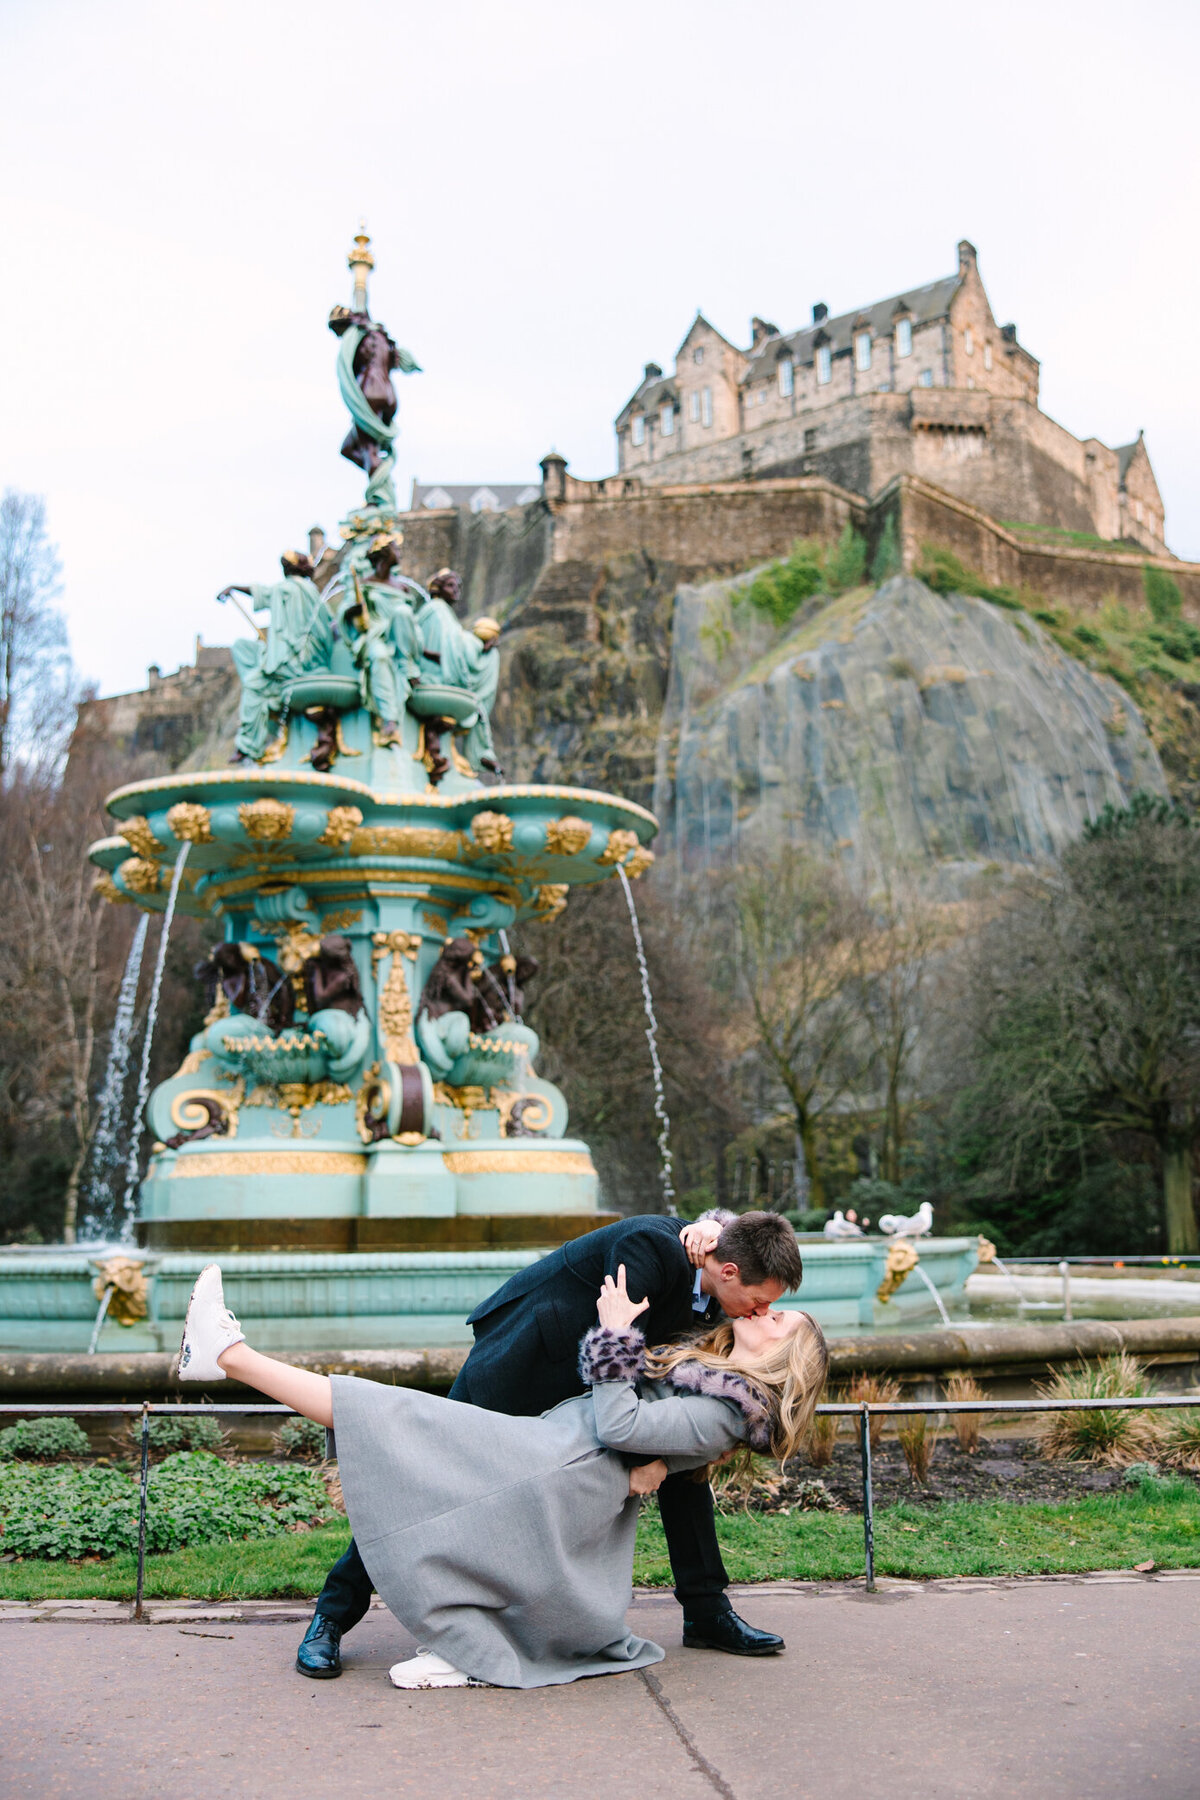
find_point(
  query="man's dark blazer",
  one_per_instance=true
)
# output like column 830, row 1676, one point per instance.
column 526, row 1353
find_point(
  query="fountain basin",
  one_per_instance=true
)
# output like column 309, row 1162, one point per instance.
column 365, row 1298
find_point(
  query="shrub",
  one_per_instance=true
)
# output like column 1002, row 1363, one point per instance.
column 780, row 590
column 846, row 563
column 193, row 1498
column 301, row 1437
column 171, row 1432
column 1088, row 635
column 1162, row 595
column 886, row 561
column 918, row 1440
column 44, row 1439
column 874, row 1389
column 1110, row 1437
column 966, row 1425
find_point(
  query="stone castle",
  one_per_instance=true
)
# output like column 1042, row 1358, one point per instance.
column 924, row 384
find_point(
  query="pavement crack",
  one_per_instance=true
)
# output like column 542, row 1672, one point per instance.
column 699, row 1760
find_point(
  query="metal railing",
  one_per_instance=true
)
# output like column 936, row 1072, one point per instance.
column 862, row 1410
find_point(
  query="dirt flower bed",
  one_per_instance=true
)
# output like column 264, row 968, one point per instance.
column 1014, row 1469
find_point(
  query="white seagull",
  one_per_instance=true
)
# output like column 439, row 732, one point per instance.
column 896, row 1225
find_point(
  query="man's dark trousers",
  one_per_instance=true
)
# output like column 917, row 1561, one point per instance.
column 686, row 1507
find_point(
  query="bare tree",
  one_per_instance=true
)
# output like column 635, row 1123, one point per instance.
column 795, row 956
column 892, row 958
column 34, row 668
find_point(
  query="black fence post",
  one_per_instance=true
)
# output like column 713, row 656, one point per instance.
column 139, row 1610
column 864, row 1439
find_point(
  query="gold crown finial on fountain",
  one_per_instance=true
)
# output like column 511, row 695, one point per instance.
column 360, row 262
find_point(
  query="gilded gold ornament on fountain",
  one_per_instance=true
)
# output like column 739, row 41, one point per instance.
column 267, row 821
column 567, row 837
column 550, row 900
column 902, row 1259
column 123, row 1277
column 188, row 1114
column 141, row 877
column 340, row 826
column 637, row 862
column 618, row 847
column 492, row 831
column 140, row 838
column 106, row 887
column 191, row 822
column 395, row 1002
column 406, row 840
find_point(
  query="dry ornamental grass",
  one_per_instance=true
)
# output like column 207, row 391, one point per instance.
column 918, row 1440
column 966, row 1425
column 876, row 1390
column 1108, row 1437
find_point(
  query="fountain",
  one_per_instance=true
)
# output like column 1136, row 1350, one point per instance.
column 358, row 1129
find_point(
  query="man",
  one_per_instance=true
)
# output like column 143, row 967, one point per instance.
column 525, row 1359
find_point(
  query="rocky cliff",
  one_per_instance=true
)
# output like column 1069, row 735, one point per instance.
column 895, row 726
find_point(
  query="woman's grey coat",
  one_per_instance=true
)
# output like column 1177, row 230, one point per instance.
column 506, row 1544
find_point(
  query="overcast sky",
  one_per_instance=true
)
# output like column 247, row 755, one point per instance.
column 552, row 190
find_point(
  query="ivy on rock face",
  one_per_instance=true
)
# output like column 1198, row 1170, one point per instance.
column 193, row 1498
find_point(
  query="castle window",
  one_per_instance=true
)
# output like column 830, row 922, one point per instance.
column 926, row 377
column 706, row 406
column 968, row 342
column 810, row 440
column 637, row 429
column 862, row 349
column 666, row 421
column 787, row 379
column 698, row 354
column 694, row 406
column 903, row 337
column 987, row 356
column 824, row 363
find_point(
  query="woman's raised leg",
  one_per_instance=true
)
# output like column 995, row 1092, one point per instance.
column 214, row 1346
column 310, row 1394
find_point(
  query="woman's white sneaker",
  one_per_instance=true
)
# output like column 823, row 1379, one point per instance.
column 425, row 1670
column 208, row 1330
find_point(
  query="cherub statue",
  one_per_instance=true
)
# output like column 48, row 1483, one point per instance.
column 298, row 637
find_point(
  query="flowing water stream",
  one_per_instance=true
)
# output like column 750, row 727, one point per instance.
column 660, row 1100
column 143, row 1087
column 100, row 1200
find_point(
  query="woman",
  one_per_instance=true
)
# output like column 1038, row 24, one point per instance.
column 506, row 1544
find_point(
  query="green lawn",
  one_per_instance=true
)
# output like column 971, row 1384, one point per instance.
column 1159, row 1522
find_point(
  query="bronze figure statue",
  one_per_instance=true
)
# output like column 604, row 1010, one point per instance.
column 374, row 359
column 331, row 979
column 250, row 982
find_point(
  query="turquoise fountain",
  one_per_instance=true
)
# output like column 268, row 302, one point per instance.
column 358, row 1131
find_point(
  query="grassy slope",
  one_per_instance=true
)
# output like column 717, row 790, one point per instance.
column 1105, row 1532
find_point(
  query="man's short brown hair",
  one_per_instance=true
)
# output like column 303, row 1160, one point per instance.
column 764, row 1247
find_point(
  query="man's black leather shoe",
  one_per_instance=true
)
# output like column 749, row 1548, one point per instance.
column 320, row 1653
column 725, row 1631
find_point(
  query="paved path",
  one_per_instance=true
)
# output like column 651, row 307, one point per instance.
column 1063, row 1687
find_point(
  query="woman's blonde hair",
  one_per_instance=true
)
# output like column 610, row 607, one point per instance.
column 787, row 1377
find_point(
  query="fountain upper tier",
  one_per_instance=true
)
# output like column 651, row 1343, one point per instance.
column 519, row 846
